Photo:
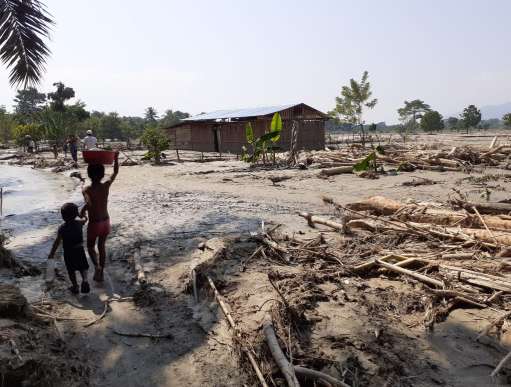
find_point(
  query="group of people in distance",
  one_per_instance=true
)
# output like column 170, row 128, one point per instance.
column 89, row 142
column 70, row 145
column 95, row 212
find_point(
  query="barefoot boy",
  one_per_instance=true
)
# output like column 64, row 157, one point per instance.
column 96, row 203
column 70, row 233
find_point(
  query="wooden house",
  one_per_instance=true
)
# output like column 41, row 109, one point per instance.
column 223, row 131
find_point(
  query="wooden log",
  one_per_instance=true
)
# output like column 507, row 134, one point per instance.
column 501, row 364
column 420, row 277
column 485, row 236
column 142, row 334
column 493, row 142
column 234, row 327
column 378, row 205
column 494, row 150
column 458, row 256
column 383, row 206
column 504, row 280
column 486, row 208
column 336, row 171
column 279, row 357
column 320, row 376
column 444, row 162
column 487, row 284
column 312, row 220
column 439, row 168
column 485, row 225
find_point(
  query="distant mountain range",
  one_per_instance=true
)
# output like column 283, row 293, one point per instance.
column 495, row 111
column 492, row 111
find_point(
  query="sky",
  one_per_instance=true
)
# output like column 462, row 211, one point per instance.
column 195, row 56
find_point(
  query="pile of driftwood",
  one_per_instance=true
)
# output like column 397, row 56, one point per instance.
column 458, row 250
column 410, row 158
column 454, row 255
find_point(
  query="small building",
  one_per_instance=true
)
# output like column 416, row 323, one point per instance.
column 223, row 131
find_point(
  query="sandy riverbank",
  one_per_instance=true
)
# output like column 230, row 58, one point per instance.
column 161, row 214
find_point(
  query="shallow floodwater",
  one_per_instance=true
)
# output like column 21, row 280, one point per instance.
column 26, row 190
column 31, row 215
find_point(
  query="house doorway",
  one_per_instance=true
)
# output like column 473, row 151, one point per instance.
column 216, row 139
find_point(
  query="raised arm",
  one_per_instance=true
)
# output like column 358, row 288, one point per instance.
column 55, row 247
column 116, row 168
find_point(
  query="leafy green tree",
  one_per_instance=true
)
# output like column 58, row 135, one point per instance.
column 60, row 96
column 411, row 112
column 452, row 123
column 78, row 111
column 27, row 103
column 471, row 116
column 151, row 116
column 507, row 120
column 171, row 118
column 432, row 121
column 156, row 142
column 352, row 102
column 57, row 125
column 35, row 131
column 133, row 126
column 372, row 128
column 24, row 27
column 7, row 125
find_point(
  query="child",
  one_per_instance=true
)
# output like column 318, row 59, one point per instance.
column 70, row 233
column 96, row 203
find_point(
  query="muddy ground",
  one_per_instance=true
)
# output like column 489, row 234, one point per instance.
column 160, row 214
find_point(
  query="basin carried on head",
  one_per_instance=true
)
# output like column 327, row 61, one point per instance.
column 98, row 156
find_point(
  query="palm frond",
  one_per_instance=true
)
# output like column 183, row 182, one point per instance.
column 23, row 26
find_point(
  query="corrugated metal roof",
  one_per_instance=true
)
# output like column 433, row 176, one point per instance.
column 239, row 113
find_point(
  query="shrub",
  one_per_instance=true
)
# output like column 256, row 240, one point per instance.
column 156, row 142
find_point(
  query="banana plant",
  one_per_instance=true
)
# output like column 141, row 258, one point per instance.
column 259, row 145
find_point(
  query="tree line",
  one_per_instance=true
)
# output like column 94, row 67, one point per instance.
column 356, row 98
column 50, row 116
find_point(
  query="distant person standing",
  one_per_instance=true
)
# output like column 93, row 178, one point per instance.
column 30, row 144
column 89, row 141
column 65, row 147
column 73, row 147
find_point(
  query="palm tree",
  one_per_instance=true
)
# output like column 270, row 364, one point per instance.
column 24, row 24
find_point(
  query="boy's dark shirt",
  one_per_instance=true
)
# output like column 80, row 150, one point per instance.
column 72, row 235
column 72, row 241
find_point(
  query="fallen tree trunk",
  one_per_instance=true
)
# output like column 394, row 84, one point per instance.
column 336, row 171
column 378, row 205
column 233, row 326
column 383, row 206
column 485, row 208
column 279, row 357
